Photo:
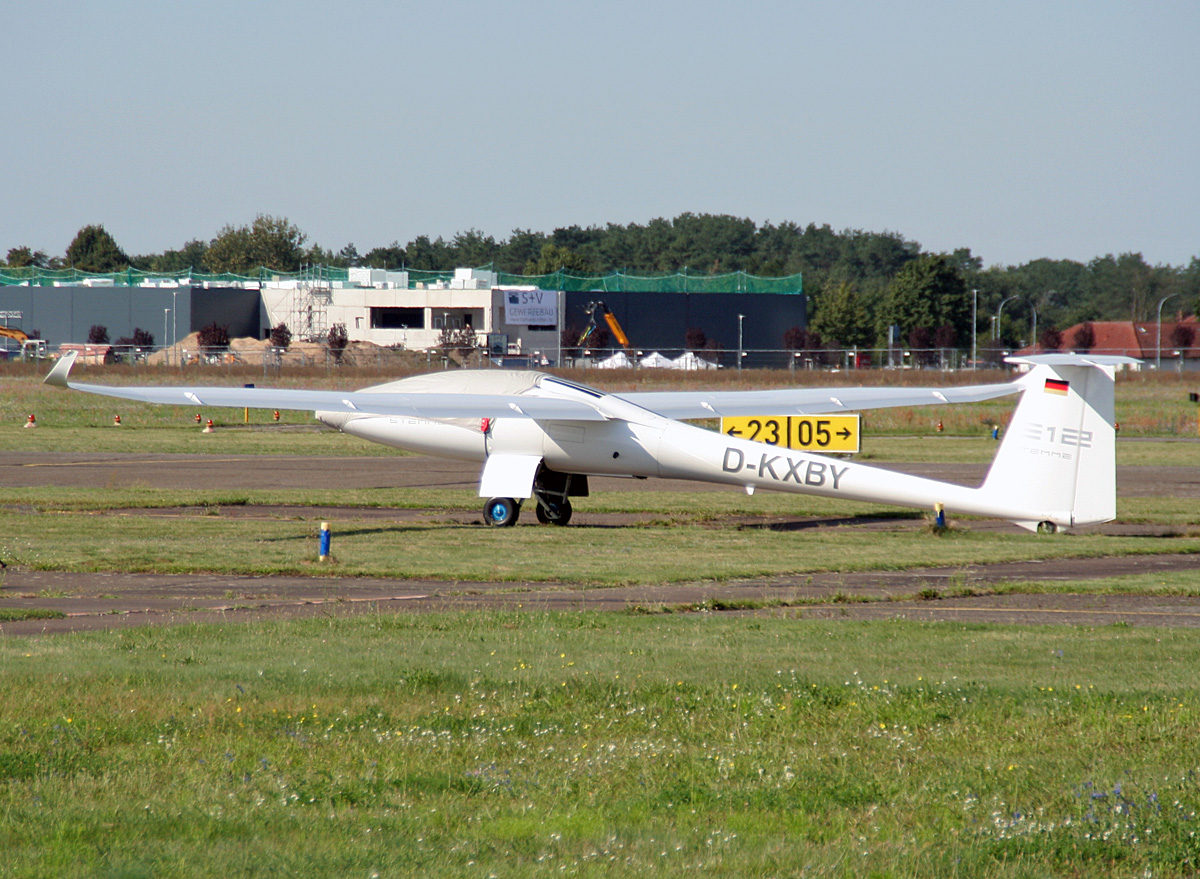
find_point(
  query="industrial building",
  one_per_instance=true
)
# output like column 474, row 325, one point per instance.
column 408, row 309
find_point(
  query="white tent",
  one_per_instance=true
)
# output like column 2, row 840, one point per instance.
column 620, row 360
column 688, row 360
column 655, row 360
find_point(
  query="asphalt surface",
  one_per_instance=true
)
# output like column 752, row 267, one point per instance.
column 116, row 600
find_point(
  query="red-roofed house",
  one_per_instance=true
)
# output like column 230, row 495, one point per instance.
column 1139, row 339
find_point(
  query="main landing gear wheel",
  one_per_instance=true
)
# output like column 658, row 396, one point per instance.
column 501, row 512
column 554, row 512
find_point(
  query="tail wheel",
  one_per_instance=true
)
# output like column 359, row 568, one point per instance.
column 501, row 512
column 554, row 512
column 1047, row 528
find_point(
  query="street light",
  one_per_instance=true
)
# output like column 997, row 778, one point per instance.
column 741, row 317
column 974, row 324
column 166, row 312
column 1158, row 345
column 1034, row 340
column 996, row 325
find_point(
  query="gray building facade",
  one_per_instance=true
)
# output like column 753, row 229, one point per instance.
column 67, row 314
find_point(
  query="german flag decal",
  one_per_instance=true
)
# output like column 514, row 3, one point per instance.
column 1056, row 386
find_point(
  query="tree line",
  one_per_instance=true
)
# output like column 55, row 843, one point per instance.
column 859, row 283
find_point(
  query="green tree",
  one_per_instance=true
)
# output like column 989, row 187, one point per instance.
column 1125, row 287
column 390, row 257
column 276, row 243
column 1189, row 284
column 522, row 248
column 230, row 251
column 711, row 243
column 94, row 250
column 270, row 242
column 927, row 293
column 473, row 248
column 347, row 257
column 23, row 257
column 316, row 255
column 190, row 256
column 554, row 257
column 426, row 255
column 842, row 319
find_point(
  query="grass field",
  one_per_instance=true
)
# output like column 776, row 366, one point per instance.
column 1147, row 405
column 538, row 745
column 532, row 744
column 666, row 552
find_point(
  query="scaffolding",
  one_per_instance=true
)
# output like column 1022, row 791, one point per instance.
column 308, row 318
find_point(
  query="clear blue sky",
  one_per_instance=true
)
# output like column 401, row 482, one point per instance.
column 1020, row 129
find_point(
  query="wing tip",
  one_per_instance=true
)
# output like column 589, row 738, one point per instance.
column 59, row 374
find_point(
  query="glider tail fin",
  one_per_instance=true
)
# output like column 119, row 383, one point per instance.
column 1057, row 464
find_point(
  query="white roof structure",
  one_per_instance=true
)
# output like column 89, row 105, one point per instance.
column 689, row 360
column 655, row 360
column 620, row 360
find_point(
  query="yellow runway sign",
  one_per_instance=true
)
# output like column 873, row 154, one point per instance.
column 812, row 433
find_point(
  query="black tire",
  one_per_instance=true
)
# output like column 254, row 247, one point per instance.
column 501, row 512
column 554, row 512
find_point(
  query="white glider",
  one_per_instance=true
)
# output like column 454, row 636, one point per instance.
column 541, row 436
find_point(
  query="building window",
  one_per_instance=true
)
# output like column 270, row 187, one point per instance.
column 397, row 318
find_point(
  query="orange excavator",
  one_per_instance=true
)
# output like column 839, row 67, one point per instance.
column 29, row 347
column 611, row 319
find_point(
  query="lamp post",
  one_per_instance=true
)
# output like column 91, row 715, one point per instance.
column 1034, row 340
column 741, row 317
column 174, row 324
column 996, row 325
column 1158, row 344
column 166, row 313
column 974, row 325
